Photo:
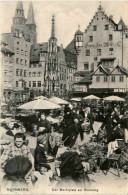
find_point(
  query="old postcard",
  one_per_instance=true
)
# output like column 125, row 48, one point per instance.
column 64, row 97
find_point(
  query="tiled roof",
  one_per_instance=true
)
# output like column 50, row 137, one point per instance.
column 122, row 68
column 36, row 49
column 7, row 38
column 6, row 50
column 86, row 78
column 83, row 73
column 70, row 58
column 106, row 70
column 71, row 47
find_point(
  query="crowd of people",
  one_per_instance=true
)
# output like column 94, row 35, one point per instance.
column 56, row 160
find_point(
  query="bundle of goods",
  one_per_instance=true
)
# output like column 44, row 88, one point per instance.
column 123, row 160
column 118, row 133
column 92, row 153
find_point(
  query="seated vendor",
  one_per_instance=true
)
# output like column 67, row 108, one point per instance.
column 44, row 174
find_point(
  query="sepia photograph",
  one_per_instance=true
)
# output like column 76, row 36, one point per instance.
column 64, row 97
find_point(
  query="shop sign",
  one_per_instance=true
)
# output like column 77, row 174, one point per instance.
column 105, row 44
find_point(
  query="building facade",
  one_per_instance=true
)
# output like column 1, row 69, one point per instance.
column 113, row 81
column 103, row 43
column 23, row 34
column 30, row 68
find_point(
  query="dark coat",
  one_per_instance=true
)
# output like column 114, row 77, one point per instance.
column 124, row 122
column 109, row 128
column 90, row 116
column 39, row 156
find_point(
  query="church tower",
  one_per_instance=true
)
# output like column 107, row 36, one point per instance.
column 30, row 24
column 19, row 20
column 53, row 40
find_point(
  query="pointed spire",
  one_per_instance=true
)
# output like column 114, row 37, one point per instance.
column 78, row 32
column 100, row 9
column 53, row 27
column 19, row 9
column 19, row 5
column 30, row 18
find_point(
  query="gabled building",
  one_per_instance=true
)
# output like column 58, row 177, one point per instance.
column 109, row 81
column 102, row 46
column 103, row 42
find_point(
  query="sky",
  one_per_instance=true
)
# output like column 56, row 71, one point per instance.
column 68, row 15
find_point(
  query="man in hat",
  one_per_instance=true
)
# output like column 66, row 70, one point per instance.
column 41, row 149
column 17, row 148
column 44, row 123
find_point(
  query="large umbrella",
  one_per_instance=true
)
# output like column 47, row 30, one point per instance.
column 41, row 97
column 91, row 97
column 39, row 104
column 57, row 100
column 114, row 98
column 76, row 99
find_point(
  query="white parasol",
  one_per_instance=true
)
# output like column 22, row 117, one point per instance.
column 114, row 98
column 76, row 99
column 91, row 97
column 41, row 97
column 39, row 104
column 57, row 100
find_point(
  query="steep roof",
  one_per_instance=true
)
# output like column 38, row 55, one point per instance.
column 86, row 77
column 78, row 32
column 70, row 58
column 124, row 70
column 30, row 18
column 121, row 22
column 110, row 20
column 19, row 6
column 106, row 70
column 83, row 73
column 36, row 49
column 7, row 38
column 71, row 47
